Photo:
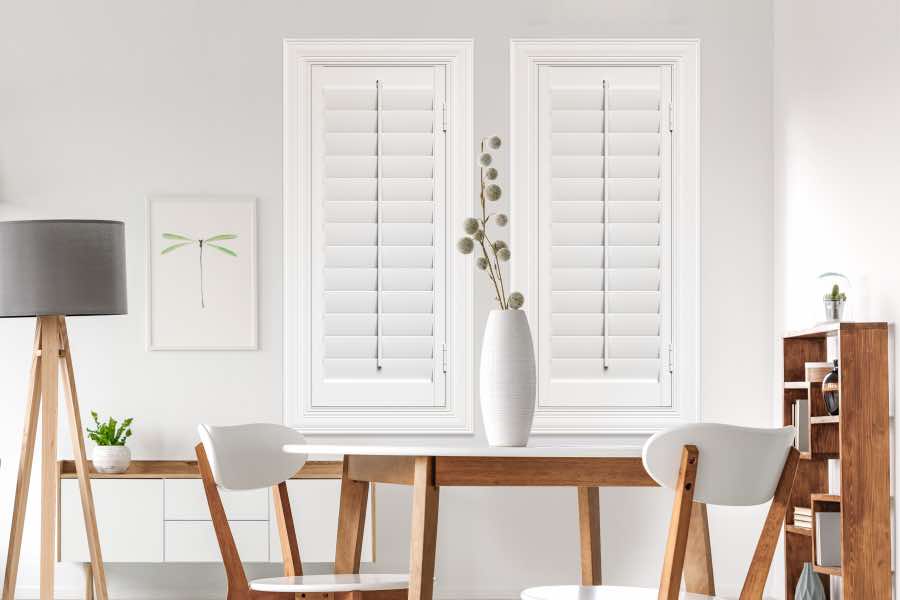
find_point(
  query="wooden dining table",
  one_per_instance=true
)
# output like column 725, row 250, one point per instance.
column 429, row 468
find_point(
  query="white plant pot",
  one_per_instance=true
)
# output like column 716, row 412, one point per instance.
column 507, row 378
column 111, row 459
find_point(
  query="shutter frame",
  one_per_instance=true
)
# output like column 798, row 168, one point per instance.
column 456, row 414
column 625, row 425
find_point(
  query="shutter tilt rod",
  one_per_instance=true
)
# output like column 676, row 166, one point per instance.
column 378, row 324
column 605, row 159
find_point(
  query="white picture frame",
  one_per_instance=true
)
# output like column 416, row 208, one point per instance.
column 199, row 296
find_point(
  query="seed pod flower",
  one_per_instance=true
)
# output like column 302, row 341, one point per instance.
column 465, row 245
column 493, row 192
column 470, row 225
column 516, row 300
column 501, row 220
column 485, row 159
column 490, row 173
column 481, row 263
column 504, row 254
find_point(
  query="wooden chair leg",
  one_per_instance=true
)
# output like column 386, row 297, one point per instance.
column 755, row 582
column 287, row 535
column 698, row 568
column 26, row 460
column 673, row 566
column 351, row 523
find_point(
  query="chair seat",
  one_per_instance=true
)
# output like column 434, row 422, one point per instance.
column 602, row 592
column 365, row 582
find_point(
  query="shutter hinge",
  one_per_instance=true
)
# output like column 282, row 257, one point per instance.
column 671, row 359
column 671, row 117
column 444, row 117
column 444, row 357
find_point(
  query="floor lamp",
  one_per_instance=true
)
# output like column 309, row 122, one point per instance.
column 50, row 270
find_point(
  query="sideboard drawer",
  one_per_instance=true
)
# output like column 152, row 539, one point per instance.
column 186, row 501
column 195, row 541
column 129, row 519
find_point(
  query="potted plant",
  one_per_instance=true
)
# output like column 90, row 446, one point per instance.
column 110, row 455
column 834, row 303
column 507, row 380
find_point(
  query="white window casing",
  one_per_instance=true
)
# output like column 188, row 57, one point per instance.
column 604, row 173
column 377, row 305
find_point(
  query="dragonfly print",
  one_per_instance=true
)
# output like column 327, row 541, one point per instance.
column 180, row 241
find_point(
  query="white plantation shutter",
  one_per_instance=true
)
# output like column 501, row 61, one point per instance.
column 604, row 220
column 378, row 283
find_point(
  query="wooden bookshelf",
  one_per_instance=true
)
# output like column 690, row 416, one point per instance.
column 860, row 438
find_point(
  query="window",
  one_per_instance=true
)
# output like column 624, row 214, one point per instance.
column 377, row 150
column 604, row 174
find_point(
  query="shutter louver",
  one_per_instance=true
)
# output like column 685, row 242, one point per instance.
column 378, row 268
column 605, row 204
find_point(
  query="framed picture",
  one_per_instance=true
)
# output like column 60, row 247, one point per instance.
column 201, row 273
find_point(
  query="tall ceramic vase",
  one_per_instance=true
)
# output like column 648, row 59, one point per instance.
column 507, row 378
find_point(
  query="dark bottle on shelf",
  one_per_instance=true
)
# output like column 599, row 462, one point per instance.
column 831, row 391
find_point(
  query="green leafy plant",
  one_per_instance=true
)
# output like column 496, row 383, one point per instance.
column 183, row 240
column 836, row 295
column 109, row 433
column 493, row 253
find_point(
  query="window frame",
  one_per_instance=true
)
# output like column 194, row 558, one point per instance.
column 457, row 416
column 625, row 426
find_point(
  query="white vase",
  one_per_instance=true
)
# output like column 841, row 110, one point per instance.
column 111, row 459
column 507, row 378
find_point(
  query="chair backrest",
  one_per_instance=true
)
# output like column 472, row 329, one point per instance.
column 709, row 463
column 246, row 457
column 738, row 466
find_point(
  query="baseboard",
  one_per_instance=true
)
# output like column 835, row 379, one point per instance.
column 32, row 592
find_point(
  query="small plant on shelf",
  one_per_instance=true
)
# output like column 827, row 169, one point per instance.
column 109, row 433
column 493, row 252
column 111, row 454
column 836, row 295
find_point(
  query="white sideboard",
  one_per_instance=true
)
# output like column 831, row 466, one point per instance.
column 157, row 513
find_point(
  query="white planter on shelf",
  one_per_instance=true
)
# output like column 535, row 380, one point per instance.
column 507, row 378
column 111, row 459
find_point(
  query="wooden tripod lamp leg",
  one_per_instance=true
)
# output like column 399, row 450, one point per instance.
column 81, row 466
column 49, row 421
column 26, row 459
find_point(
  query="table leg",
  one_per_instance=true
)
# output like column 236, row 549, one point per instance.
column 589, row 526
column 698, row 568
column 351, row 523
column 423, row 534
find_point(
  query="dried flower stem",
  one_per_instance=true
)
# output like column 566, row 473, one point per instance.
column 497, row 278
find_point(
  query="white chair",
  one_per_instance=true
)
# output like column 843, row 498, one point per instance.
column 246, row 457
column 711, row 464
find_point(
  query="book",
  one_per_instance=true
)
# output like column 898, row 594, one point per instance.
column 802, row 510
column 800, row 421
column 828, row 539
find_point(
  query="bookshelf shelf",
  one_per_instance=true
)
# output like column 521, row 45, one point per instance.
column 798, row 530
column 836, row 571
column 859, row 437
column 796, row 385
column 831, row 498
column 824, row 420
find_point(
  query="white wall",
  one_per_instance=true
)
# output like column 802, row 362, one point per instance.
column 837, row 127
column 105, row 102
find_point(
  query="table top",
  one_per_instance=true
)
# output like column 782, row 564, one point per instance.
column 535, row 451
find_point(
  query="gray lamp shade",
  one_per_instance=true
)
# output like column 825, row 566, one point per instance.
column 62, row 267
